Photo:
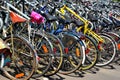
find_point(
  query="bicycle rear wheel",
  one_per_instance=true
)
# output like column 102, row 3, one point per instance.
column 91, row 52
column 58, row 55
column 108, row 50
column 73, row 54
column 44, row 49
column 22, row 61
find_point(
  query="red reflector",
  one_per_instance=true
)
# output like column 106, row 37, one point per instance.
column 66, row 50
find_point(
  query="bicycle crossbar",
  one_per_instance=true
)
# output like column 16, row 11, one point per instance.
column 18, row 11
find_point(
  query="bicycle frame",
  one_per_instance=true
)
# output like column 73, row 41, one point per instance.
column 8, row 7
column 15, row 9
column 15, row 18
column 22, row 4
column 86, row 22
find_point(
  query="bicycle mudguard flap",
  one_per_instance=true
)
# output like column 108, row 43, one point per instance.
column 36, row 17
column 4, row 49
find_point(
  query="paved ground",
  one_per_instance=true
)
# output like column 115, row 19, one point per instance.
column 105, row 73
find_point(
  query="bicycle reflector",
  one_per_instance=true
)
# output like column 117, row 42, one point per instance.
column 118, row 45
column 19, row 75
column 77, row 52
column 66, row 50
column 44, row 47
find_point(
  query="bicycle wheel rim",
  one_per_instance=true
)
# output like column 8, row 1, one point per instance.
column 44, row 51
column 91, row 51
column 25, row 70
column 111, row 43
column 58, row 55
column 69, row 58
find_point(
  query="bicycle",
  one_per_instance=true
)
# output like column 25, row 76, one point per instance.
column 22, row 61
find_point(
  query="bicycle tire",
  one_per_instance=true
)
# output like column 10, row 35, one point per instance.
column 25, row 56
column 102, row 60
column 58, row 55
column 71, row 61
column 44, row 48
column 91, row 52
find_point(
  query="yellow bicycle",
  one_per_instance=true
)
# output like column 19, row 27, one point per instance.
column 103, row 41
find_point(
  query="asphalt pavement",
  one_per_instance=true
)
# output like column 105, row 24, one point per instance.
column 111, row 72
